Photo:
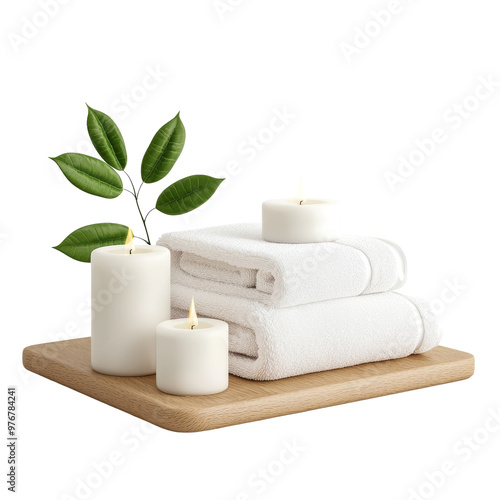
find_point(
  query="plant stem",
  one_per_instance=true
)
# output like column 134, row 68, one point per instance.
column 139, row 190
column 154, row 208
column 136, row 194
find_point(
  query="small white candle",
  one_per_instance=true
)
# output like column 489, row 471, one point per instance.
column 130, row 296
column 192, row 356
column 300, row 221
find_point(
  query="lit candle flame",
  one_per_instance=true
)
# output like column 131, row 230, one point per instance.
column 192, row 321
column 129, row 242
column 300, row 193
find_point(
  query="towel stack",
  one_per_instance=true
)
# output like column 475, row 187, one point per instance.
column 299, row 308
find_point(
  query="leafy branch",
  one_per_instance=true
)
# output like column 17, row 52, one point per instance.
column 101, row 178
column 135, row 194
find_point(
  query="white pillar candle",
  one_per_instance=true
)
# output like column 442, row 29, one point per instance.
column 130, row 296
column 300, row 221
column 192, row 357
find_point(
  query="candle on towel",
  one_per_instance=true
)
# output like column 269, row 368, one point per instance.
column 130, row 296
column 300, row 220
column 192, row 356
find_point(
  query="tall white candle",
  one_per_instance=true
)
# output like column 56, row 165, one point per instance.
column 300, row 221
column 130, row 296
column 192, row 356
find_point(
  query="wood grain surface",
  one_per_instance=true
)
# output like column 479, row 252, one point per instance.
column 68, row 363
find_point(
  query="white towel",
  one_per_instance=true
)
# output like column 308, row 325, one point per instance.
column 235, row 260
column 266, row 343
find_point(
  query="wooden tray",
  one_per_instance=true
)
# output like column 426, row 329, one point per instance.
column 68, row 363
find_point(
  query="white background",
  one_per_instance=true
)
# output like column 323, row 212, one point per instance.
column 228, row 71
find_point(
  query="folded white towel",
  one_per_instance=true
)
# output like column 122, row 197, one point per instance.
column 266, row 343
column 235, row 260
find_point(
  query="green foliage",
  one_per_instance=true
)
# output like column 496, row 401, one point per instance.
column 90, row 174
column 106, row 138
column 101, row 178
column 162, row 153
column 187, row 194
column 80, row 243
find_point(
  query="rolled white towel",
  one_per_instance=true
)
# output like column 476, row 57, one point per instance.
column 235, row 260
column 266, row 343
column 213, row 270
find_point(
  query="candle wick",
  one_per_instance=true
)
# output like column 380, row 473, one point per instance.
column 130, row 252
column 192, row 327
column 301, row 201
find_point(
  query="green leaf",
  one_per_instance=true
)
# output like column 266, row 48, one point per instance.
column 80, row 243
column 187, row 194
column 90, row 174
column 163, row 151
column 106, row 138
